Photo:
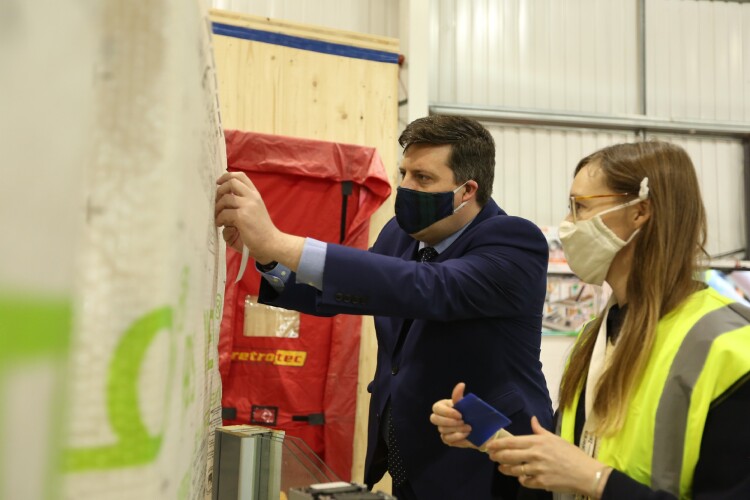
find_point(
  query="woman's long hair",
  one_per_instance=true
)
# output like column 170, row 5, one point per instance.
column 667, row 254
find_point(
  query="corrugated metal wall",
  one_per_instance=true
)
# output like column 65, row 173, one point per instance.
column 582, row 56
column 698, row 59
column 536, row 54
column 698, row 67
column 535, row 167
column 720, row 173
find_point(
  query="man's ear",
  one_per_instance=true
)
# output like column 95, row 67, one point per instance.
column 470, row 190
column 642, row 213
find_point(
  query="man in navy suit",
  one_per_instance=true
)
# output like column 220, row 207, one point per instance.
column 456, row 287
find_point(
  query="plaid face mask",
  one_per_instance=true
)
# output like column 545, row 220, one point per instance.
column 417, row 210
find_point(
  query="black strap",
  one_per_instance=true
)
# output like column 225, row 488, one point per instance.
column 346, row 191
column 312, row 419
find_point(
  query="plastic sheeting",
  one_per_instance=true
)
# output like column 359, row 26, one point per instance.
column 305, row 385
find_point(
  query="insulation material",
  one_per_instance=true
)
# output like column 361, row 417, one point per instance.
column 306, row 383
column 144, row 383
column 111, row 292
column 46, row 61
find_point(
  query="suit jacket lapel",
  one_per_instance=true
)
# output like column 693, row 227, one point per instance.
column 409, row 254
column 489, row 210
column 410, row 251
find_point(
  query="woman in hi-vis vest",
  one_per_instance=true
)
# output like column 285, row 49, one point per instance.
column 655, row 398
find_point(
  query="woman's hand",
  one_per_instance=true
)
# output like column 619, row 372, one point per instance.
column 544, row 460
column 450, row 424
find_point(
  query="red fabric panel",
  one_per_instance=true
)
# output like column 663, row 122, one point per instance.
column 300, row 181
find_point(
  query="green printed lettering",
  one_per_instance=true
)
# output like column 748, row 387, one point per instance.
column 134, row 446
column 34, row 328
column 188, row 375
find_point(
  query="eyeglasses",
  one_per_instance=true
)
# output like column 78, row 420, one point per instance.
column 573, row 199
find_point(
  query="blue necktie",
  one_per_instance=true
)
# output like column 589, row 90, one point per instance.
column 427, row 254
column 395, row 461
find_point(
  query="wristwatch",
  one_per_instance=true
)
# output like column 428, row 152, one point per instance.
column 267, row 267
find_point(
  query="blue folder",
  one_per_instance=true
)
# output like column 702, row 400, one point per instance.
column 483, row 419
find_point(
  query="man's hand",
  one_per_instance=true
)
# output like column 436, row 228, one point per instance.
column 453, row 430
column 241, row 210
column 232, row 238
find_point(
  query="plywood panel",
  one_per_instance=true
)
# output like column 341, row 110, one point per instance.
column 290, row 91
column 302, row 97
column 379, row 17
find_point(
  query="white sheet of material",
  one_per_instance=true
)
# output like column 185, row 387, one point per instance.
column 243, row 263
column 46, row 55
column 111, row 128
column 146, row 392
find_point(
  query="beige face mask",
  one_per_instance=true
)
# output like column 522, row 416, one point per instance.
column 590, row 246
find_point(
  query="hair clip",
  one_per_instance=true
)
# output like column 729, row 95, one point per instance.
column 643, row 192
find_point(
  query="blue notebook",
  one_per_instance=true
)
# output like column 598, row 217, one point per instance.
column 483, row 419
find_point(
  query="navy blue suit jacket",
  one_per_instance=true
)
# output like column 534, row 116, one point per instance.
column 474, row 315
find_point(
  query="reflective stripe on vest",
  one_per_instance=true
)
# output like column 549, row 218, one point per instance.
column 672, row 412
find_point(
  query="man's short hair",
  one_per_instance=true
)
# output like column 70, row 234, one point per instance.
column 472, row 148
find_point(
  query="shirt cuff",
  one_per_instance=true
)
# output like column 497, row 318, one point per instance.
column 276, row 276
column 312, row 263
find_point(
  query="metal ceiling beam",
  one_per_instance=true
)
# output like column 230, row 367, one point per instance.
column 634, row 123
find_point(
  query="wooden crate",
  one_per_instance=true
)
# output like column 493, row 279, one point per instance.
column 306, row 81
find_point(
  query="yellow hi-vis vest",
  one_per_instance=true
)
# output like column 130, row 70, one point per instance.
column 701, row 349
